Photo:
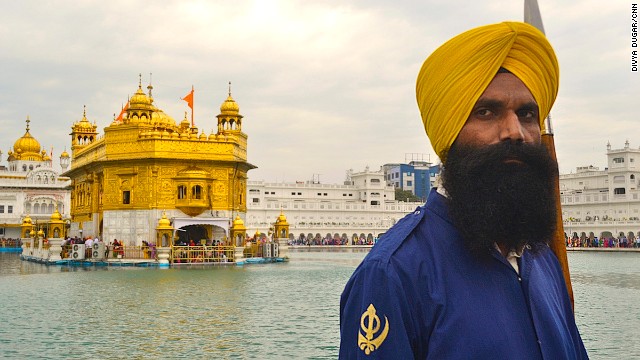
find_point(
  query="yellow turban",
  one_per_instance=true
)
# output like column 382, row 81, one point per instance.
column 452, row 78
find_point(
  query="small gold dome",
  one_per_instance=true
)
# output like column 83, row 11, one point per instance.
column 282, row 218
column 164, row 222
column 238, row 222
column 64, row 154
column 27, row 220
column 229, row 107
column 139, row 99
column 56, row 215
column 84, row 125
column 40, row 233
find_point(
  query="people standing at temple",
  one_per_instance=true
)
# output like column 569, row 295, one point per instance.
column 152, row 248
column 88, row 244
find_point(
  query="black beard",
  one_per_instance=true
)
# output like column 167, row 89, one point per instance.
column 496, row 202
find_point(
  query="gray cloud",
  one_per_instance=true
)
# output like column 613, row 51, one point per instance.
column 324, row 87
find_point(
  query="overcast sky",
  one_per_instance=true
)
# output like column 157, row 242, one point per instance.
column 324, row 86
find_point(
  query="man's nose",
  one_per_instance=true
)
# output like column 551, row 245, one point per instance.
column 511, row 128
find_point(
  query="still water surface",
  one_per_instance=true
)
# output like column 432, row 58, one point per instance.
column 271, row 311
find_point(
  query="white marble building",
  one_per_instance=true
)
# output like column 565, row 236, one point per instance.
column 30, row 185
column 364, row 204
column 604, row 201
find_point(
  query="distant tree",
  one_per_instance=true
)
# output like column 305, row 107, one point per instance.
column 406, row 196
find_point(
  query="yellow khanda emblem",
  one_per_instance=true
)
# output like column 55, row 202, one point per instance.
column 370, row 325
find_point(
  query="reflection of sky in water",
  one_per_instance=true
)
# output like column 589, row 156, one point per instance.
column 270, row 311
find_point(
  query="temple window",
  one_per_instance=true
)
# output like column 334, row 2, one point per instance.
column 196, row 192
column 182, row 192
column 126, row 197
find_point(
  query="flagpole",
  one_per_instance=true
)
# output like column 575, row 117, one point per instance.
column 192, row 123
column 557, row 244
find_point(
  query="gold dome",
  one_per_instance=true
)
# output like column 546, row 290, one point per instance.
column 282, row 220
column 84, row 125
column 229, row 106
column 27, row 220
column 162, row 118
column 140, row 100
column 64, row 154
column 164, row 222
column 27, row 143
column 56, row 215
column 238, row 222
column 185, row 124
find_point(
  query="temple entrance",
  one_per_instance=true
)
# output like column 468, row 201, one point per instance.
column 191, row 232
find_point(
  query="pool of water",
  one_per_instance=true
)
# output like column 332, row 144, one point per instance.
column 271, row 311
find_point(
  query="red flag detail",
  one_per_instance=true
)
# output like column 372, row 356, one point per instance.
column 189, row 99
column 124, row 109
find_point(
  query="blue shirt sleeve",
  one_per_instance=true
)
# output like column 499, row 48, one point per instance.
column 375, row 322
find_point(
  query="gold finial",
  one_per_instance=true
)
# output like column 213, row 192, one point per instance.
column 84, row 111
column 140, row 81
column 28, row 121
column 150, row 87
column 229, row 88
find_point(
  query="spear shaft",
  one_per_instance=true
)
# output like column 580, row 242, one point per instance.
column 557, row 243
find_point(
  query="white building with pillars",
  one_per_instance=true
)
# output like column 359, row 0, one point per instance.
column 31, row 185
column 604, row 202
column 363, row 205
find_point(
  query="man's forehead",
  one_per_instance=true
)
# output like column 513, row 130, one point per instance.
column 506, row 86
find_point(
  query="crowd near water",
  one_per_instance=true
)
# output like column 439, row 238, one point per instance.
column 335, row 239
column 604, row 242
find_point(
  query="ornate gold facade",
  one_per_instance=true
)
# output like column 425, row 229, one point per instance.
column 147, row 162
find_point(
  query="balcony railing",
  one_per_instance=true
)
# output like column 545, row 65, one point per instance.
column 202, row 254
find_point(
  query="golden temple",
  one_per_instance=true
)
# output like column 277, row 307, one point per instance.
column 146, row 164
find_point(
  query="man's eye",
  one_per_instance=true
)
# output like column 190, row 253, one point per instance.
column 528, row 115
column 483, row 112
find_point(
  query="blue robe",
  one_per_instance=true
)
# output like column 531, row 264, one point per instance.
column 419, row 294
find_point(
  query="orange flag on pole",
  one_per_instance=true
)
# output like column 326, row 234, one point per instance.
column 189, row 100
column 120, row 117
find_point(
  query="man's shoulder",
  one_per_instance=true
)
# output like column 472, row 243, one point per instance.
column 396, row 236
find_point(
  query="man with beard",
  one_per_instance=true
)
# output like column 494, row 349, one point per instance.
column 470, row 274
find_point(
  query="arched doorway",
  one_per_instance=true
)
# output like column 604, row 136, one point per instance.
column 191, row 232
